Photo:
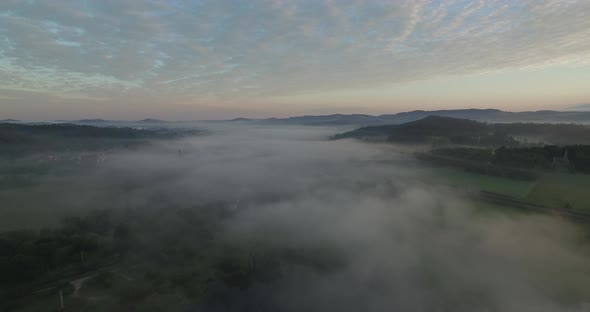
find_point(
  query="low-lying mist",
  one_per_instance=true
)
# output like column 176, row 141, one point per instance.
column 397, row 241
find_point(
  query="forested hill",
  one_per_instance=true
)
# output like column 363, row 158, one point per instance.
column 19, row 138
column 463, row 131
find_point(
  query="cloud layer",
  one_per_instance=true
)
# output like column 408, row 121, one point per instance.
column 222, row 50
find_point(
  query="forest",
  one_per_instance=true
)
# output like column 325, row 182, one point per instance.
column 574, row 158
column 17, row 140
column 448, row 130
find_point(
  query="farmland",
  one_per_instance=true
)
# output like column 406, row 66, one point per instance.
column 554, row 189
column 475, row 182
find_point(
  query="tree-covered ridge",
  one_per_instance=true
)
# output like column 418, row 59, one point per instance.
column 576, row 158
column 84, row 131
column 437, row 129
column 432, row 129
column 19, row 139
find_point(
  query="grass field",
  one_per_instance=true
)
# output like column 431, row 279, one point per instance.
column 556, row 190
column 476, row 182
column 561, row 189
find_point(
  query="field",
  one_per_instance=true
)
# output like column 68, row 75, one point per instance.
column 562, row 189
column 476, row 182
column 555, row 190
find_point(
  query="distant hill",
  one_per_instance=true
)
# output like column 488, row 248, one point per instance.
column 19, row 138
column 9, row 120
column 241, row 119
column 334, row 119
column 427, row 129
column 72, row 130
column 99, row 121
column 320, row 120
column 490, row 115
column 579, row 115
column 150, row 120
column 438, row 129
column 92, row 121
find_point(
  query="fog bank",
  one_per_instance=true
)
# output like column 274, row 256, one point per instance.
column 398, row 242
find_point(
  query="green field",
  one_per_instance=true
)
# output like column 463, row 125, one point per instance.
column 556, row 190
column 476, row 182
column 561, row 189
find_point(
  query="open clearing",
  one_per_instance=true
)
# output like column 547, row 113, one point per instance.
column 561, row 189
column 556, row 190
column 477, row 182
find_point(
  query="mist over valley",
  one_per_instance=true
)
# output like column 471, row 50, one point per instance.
column 239, row 218
column 294, row 156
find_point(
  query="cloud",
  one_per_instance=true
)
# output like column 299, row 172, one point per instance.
column 216, row 50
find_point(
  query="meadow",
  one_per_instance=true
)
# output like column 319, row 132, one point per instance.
column 561, row 190
column 553, row 189
column 476, row 182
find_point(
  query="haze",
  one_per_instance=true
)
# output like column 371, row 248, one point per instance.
column 120, row 59
column 378, row 233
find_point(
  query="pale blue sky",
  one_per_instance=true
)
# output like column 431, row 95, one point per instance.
column 205, row 59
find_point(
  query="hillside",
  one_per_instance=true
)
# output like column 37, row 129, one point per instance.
column 463, row 131
column 19, row 138
column 428, row 129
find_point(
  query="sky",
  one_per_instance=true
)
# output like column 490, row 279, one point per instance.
column 217, row 59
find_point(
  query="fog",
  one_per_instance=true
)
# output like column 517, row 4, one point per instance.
column 401, row 242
